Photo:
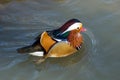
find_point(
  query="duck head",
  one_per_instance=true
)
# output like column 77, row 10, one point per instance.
column 73, row 25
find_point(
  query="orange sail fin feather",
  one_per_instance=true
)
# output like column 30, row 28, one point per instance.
column 46, row 41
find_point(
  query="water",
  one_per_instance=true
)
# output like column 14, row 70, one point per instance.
column 22, row 20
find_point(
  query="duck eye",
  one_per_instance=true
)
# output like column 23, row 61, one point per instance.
column 78, row 27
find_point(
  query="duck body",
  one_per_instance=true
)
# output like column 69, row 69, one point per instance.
column 55, row 48
column 57, row 43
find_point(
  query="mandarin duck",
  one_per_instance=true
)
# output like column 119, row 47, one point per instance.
column 60, row 42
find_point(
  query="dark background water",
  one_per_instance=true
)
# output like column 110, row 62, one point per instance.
column 22, row 20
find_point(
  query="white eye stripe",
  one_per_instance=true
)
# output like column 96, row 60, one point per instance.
column 74, row 26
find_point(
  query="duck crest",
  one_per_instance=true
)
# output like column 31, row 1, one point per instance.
column 67, row 25
column 75, row 39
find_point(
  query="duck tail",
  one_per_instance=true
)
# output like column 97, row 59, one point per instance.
column 31, row 48
column 36, row 46
column 26, row 49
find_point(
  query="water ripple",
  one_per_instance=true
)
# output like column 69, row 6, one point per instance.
column 90, row 40
column 10, row 63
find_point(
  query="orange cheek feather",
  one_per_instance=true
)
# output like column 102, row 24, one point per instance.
column 75, row 38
